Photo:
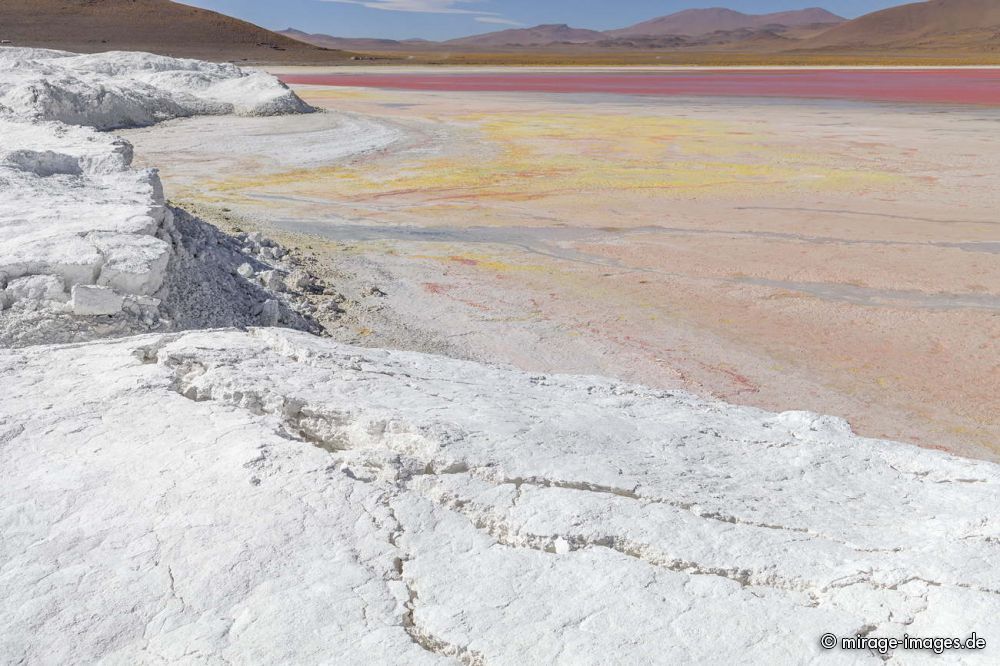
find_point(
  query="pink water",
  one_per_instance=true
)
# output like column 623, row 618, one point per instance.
column 945, row 86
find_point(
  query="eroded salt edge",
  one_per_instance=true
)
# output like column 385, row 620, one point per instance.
column 80, row 230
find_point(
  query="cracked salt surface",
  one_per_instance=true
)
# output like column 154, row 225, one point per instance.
column 268, row 496
column 286, row 498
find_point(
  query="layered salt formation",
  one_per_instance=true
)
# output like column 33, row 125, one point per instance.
column 81, row 232
column 126, row 89
column 78, row 226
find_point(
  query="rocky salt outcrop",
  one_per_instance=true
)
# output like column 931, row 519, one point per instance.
column 73, row 209
column 272, row 497
column 79, row 225
column 126, row 89
column 93, row 300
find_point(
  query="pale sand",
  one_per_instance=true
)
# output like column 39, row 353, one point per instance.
column 834, row 257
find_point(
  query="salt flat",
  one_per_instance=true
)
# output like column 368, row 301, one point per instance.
column 834, row 256
column 272, row 497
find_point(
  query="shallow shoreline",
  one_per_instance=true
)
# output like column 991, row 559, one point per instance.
column 972, row 86
column 864, row 280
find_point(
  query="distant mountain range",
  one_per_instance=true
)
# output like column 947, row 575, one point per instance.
column 171, row 28
column 696, row 22
column 354, row 43
column 690, row 25
column 936, row 25
column 539, row 35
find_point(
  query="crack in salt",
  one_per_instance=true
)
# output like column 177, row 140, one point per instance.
column 502, row 532
column 331, row 431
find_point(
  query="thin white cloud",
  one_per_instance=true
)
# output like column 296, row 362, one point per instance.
column 422, row 6
column 498, row 20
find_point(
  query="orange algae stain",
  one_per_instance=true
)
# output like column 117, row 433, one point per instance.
column 482, row 262
column 446, row 290
column 434, row 288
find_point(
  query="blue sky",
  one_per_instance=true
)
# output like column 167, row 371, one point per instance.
column 444, row 19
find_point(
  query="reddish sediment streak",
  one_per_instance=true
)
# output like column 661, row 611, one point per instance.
column 941, row 86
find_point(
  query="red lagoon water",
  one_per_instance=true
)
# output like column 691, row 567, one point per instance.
column 941, row 86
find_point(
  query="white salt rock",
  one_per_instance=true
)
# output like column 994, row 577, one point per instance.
column 49, row 252
column 42, row 163
column 140, row 224
column 269, row 312
column 133, row 263
column 245, row 270
column 94, row 300
column 272, row 280
column 37, row 288
column 141, row 305
column 298, row 280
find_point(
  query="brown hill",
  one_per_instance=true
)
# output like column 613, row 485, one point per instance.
column 157, row 26
column 542, row 35
column 356, row 43
column 694, row 22
column 938, row 24
column 771, row 39
column 538, row 35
